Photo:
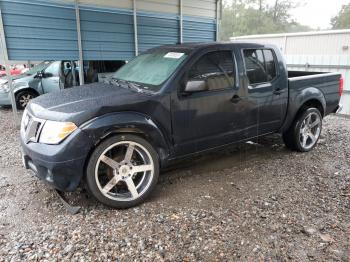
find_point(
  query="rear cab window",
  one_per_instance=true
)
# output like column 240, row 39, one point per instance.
column 260, row 65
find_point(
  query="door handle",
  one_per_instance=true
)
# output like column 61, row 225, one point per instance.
column 236, row 99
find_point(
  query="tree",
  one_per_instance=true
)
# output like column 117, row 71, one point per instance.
column 245, row 17
column 342, row 20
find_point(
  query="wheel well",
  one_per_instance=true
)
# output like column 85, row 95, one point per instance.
column 27, row 89
column 133, row 131
column 312, row 103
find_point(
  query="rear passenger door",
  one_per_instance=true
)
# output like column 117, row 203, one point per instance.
column 267, row 88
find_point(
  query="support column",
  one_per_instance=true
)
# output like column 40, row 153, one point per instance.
column 81, row 61
column 218, row 18
column 181, row 21
column 8, row 71
column 135, row 28
column 285, row 45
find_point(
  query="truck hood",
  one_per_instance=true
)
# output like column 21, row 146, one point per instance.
column 82, row 103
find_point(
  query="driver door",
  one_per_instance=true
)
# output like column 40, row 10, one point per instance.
column 51, row 78
column 214, row 115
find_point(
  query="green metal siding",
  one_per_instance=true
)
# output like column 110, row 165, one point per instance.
column 40, row 30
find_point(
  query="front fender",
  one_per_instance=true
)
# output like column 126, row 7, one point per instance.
column 298, row 98
column 128, row 122
column 27, row 83
column 17, row 89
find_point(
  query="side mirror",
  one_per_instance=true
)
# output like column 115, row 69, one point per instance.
column 39, row 74
column 196, row 86
column 42, row 74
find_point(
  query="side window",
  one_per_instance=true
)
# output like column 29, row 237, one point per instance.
column 53, row 69
column 260, row 65
column 215, row 68
column 270, row 65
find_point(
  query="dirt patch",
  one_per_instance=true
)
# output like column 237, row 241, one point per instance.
column 251, row 202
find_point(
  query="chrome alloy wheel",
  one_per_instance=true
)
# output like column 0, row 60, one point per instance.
column 124, row 171
column 24, row 99
column 310, row 130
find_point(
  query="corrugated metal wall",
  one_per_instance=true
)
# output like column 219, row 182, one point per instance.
column 201, row 8
column 106, row 35
column 155, row 30
column 26, row 24
column 198, row 30
column 38, row 30
column 323, row 44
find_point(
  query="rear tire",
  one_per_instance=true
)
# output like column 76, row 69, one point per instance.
column 305, row 131
column 23, row 98
column 122, row 171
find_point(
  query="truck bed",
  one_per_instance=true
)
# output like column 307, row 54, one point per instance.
column 293, row 74
column 327, row 83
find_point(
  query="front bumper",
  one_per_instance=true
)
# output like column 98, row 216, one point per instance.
column 61, row 166
column 5, row 99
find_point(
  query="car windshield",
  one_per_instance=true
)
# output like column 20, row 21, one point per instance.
column 151, row 69
column 39, row 67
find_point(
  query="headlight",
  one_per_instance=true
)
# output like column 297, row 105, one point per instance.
column 25, row 120
column 54, row 132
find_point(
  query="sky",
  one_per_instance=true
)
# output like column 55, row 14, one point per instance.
column 317, row 13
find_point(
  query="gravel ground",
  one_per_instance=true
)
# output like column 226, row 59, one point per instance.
column 252, row 202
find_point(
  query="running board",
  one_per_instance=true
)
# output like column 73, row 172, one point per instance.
column 71, row 209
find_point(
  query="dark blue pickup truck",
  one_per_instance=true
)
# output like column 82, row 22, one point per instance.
column 169, row 103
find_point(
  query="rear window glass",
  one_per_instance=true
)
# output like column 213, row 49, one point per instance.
column 270, row 64
column 260, row 65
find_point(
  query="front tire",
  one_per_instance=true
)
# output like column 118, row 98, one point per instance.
column 23, row 98
column 305, row 131
column 122, row 171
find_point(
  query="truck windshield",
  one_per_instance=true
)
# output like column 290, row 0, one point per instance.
column 151, row 69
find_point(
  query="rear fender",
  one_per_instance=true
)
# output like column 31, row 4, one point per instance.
column 297, row 101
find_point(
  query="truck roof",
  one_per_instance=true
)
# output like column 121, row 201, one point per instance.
column 196, row 46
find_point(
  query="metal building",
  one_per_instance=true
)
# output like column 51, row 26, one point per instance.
column 101, row 30
column 327, row 51
column 109, row 29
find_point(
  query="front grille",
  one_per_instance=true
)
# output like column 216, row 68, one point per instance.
column 32, row 129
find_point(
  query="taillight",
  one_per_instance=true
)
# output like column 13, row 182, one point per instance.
column 341, row 85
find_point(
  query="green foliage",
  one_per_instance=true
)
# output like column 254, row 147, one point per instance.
column 342, row 20
column 247, row 17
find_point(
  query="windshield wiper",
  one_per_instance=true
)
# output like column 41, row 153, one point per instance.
column 135, row 86
column 128, row 84
column 118, row 82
